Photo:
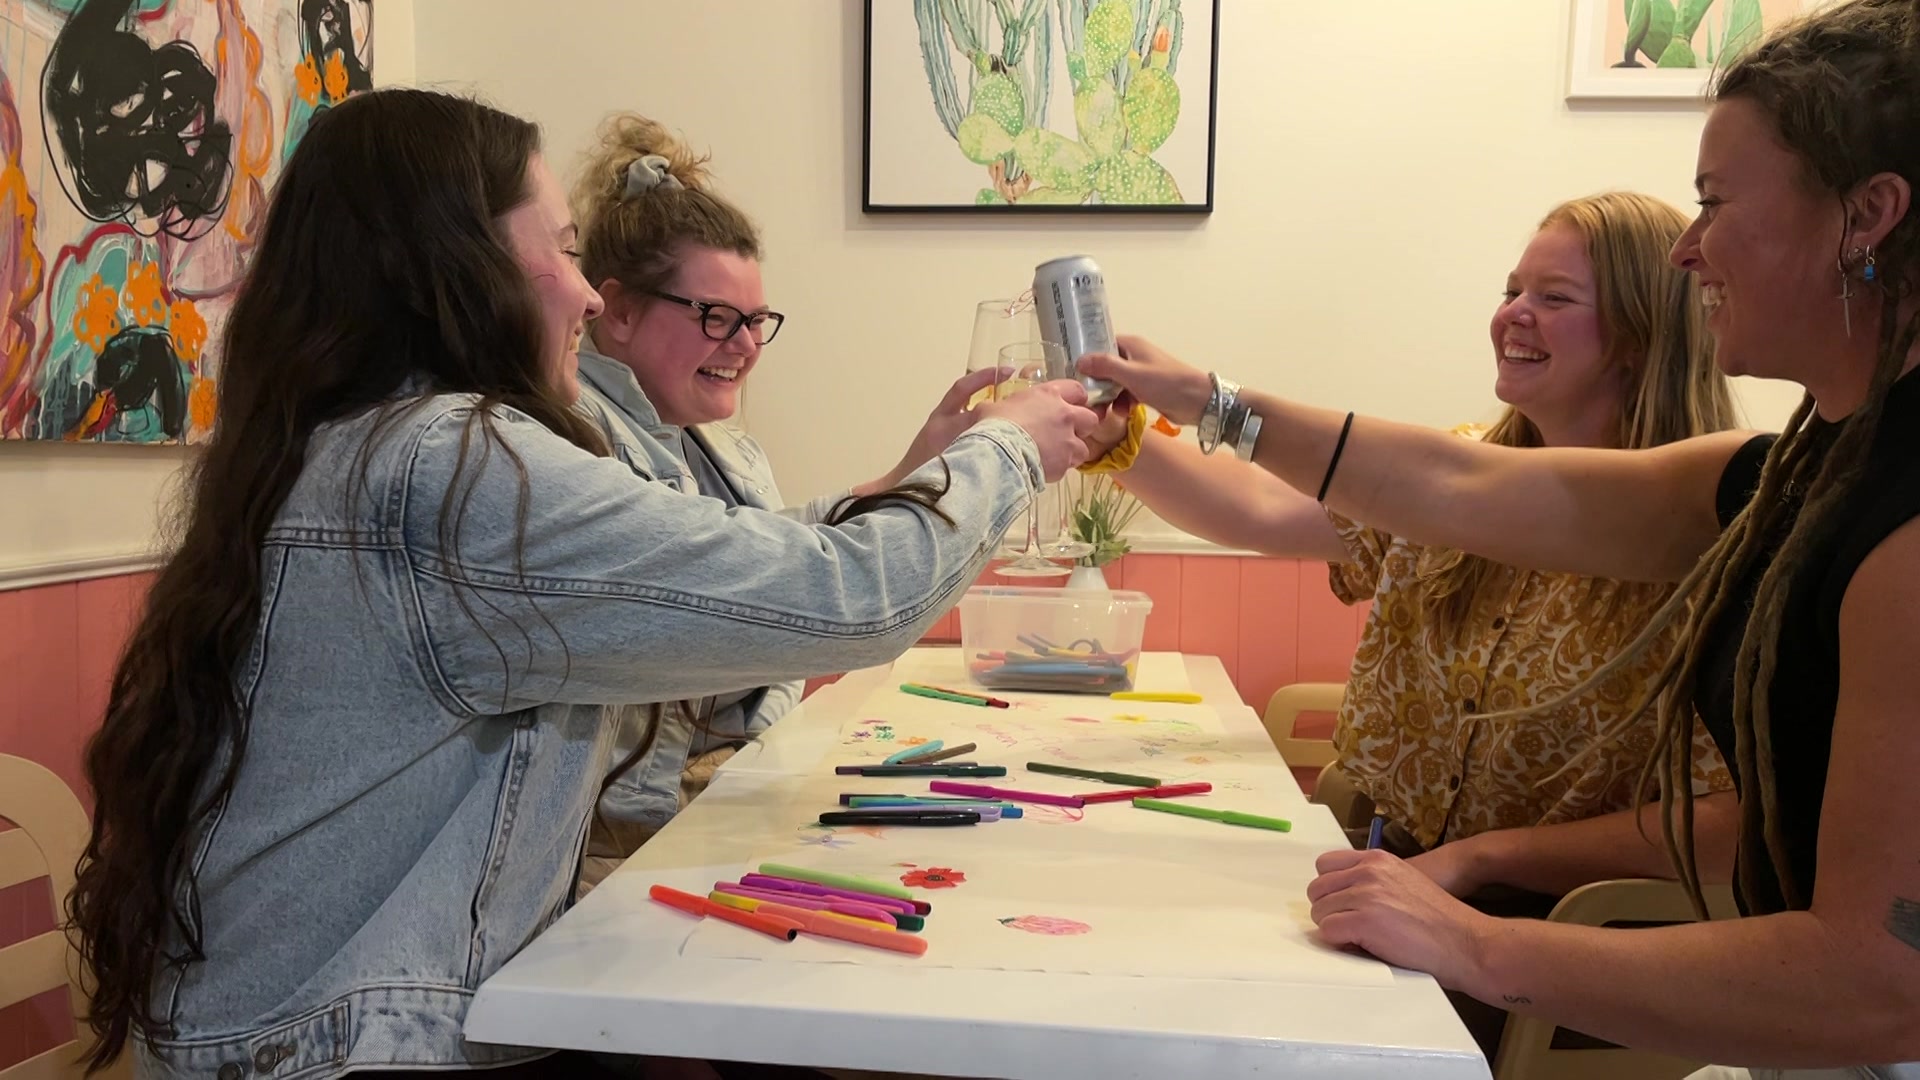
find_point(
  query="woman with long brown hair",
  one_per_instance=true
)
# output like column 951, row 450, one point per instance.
column 350, row 752
column 1797, row 605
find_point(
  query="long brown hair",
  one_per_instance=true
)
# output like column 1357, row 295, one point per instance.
column 381, row 275
column 1842, row 88
column 1652, row 325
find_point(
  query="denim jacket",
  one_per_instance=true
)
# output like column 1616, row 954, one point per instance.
column 428, row 724
column 648, row 792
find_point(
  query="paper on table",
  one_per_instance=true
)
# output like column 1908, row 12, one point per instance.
column 1275, row 945
column 1041, row 900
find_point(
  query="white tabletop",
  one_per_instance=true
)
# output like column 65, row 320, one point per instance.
column 612, row 976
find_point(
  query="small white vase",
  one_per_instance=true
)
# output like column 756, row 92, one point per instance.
column 1087, row 577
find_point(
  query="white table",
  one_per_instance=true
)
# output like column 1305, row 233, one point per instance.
column 610, row 976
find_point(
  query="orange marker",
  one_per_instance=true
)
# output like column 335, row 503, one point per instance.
column 768, row 923
column 842, row 927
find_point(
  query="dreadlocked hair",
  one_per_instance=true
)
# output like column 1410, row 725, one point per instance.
column 1842, row 88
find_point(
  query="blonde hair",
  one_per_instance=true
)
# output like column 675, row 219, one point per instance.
column 1651, row 321
column 636, row 237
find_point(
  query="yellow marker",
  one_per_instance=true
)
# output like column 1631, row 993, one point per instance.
column 745, row 903
column 1175, row 697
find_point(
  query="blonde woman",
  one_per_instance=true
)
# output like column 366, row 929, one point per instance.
column 686, row 318
column 1597, row 341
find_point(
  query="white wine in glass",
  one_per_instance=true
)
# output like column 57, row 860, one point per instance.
column 1032, row 362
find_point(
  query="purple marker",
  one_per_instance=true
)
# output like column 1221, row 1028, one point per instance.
column 811, row 903
column 808, row 888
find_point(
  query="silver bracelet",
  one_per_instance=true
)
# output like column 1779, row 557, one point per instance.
column 1220, row 408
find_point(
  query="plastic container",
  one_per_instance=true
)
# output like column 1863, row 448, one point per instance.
column 1075, row 641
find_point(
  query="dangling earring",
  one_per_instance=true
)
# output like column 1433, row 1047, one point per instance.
column 1867, row 271
column 1846, row 288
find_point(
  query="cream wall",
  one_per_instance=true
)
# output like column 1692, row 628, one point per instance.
column 1378, row 169
column 70, row 511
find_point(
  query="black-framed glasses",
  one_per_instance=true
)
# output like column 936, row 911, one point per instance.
column 721, row 321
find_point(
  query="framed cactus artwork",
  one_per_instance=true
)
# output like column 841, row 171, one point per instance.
column 1048, row 106
column 1663, row 48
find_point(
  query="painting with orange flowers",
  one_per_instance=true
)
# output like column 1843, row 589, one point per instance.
column 138, row 141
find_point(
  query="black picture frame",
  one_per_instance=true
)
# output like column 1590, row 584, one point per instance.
column 893, row 203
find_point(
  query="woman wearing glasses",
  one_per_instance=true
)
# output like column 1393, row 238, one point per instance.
column 678, row 267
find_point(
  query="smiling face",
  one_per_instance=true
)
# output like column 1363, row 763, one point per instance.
column 1548, row 347
column 1763, row 248
column 540, row 232
column 689, row 377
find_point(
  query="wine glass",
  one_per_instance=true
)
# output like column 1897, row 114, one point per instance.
column 997, row 324
column 1032, row 362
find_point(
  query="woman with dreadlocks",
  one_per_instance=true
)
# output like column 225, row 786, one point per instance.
column 1798, row 559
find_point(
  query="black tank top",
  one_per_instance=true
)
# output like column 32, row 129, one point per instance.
column 1806, row 682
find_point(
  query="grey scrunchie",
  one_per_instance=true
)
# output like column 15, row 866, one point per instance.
column 647, row 173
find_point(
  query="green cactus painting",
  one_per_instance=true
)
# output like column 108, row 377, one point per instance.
column 1665, row 48
column 1045, row 104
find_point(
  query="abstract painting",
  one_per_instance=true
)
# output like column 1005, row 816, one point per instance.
column 1014, row 106
column 138, row 142
column 1664, row 48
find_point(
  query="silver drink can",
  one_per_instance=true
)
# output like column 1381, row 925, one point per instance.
column 1071, row 298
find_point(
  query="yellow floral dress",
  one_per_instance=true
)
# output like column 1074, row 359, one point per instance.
column 1404, row 736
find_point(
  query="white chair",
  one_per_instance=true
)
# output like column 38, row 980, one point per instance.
column 51, row 834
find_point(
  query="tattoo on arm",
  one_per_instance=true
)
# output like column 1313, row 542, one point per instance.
column 1903, row 922
column 1521, row 999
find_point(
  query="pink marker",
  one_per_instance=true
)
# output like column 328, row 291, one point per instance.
column 808, row 888
column 814, row 903
column 1167, row 792
column 946, row 787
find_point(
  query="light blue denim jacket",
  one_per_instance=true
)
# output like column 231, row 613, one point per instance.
column 427, row 720
column 648, row 792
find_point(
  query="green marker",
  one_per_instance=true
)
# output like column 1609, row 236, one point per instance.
column 941, row 695
column 835, row 881
column 1120, row 778
column 1227, row 817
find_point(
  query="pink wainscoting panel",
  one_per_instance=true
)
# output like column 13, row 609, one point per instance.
column 40, row 712
column 1211, row 598
column 1269, row 628
column 1329, row 629
column 1159, row 577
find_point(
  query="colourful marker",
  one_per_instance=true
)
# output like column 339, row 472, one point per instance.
column 941, row 769
column 930, row 816
column 993, row 701
column 1124, row 779
column 1176, row 697
column 913, row 752
column 835, row 881
column 946, row 787
column 839, row 927
column 849, row 908
column 808, row 888
column 924, row 758
column 767, row 923
column 942, row 695
column 1168, row 792
column 1225, row 817
column 1374, row 831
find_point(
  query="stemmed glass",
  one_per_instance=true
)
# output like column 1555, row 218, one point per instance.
column 1032, row 362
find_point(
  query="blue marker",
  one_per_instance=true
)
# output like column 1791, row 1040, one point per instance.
column 1373, row 832
column 914, row 751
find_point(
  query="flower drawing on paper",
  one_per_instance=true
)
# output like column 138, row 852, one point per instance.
column 932, row 877
column 1046, row 925
column 820, row 836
